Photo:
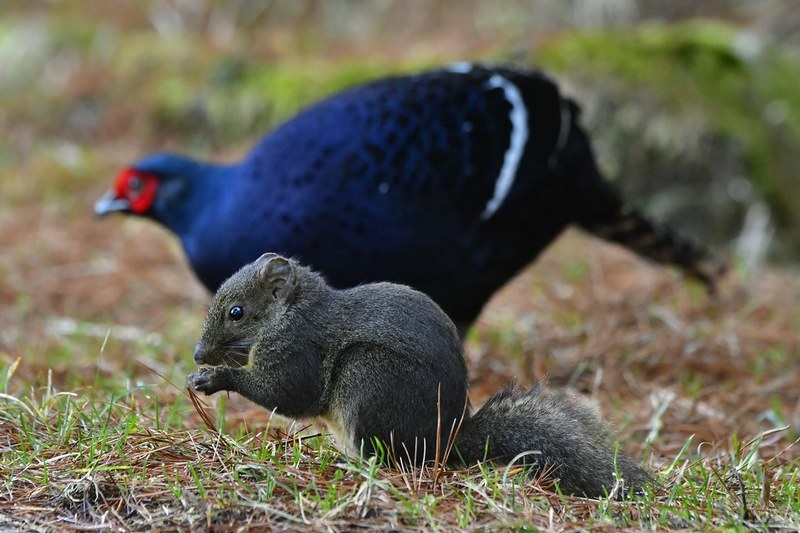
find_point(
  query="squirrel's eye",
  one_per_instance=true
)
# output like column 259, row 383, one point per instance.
column 236, row 313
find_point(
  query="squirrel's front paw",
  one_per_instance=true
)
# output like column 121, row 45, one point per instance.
column 208, row 379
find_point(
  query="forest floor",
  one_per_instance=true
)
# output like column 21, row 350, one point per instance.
column 99, row 320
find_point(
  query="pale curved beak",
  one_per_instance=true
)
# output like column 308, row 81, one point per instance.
column 109, row 203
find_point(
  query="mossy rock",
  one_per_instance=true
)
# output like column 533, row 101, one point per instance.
column 698, row 122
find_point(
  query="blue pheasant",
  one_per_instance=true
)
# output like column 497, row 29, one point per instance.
column 450, row 181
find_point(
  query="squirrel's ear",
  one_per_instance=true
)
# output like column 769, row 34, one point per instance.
column 265, row 257
column 278, row 276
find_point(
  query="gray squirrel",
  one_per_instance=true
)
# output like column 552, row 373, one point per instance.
column 383, row 361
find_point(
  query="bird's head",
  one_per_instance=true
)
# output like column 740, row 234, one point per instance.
column 156, row 187
column 134, row 192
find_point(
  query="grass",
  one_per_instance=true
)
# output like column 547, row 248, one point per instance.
column 97, row 430
column 134, row 477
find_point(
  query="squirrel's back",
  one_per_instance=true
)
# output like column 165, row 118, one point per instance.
column 396, row 370
column 399, row 318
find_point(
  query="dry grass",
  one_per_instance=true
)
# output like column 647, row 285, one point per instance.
column 99, row 321
column 99, row 432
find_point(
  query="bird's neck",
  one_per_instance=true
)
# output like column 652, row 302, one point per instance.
column 196, row 197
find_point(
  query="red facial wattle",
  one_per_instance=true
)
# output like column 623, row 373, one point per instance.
column 138, row 188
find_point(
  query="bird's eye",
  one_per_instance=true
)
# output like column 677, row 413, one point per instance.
column 236, row 313
column 135, row 184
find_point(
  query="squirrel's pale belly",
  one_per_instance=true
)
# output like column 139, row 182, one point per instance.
column 343, row 438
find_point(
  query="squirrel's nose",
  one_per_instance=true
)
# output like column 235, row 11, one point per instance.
column 199, row 352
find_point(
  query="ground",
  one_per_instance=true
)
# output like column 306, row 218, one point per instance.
column 99, row 325
column 99, row 320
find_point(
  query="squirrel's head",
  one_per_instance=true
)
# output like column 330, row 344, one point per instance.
column 247, row 302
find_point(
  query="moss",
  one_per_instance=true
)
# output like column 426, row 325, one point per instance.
column 744, row 88
column 239, row 99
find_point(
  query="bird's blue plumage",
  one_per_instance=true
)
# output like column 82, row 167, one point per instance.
column 398, row 180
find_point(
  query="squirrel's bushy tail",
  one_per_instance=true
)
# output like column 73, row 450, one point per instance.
column 566, row 437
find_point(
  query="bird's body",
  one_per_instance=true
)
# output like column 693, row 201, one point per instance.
column 449, row 181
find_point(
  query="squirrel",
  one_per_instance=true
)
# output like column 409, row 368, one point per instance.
column 383, row 361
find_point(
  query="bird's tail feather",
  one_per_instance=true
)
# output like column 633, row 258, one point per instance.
column 611, row 219
column 600, row 210
column 660, row 243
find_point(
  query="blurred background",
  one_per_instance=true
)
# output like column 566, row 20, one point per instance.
column 694, row 108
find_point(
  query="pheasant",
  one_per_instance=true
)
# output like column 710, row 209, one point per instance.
column 450, row 181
